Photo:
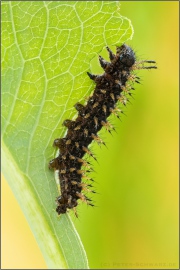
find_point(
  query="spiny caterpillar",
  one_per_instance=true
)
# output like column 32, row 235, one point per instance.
column 111, row 87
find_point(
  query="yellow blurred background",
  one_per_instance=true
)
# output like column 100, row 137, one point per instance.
column 135, row 223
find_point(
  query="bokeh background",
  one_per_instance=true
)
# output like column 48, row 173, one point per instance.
column 135, row 222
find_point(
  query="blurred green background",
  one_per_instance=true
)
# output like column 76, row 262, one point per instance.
column 135, row 221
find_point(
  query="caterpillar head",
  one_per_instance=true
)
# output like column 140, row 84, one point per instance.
column 126, row 55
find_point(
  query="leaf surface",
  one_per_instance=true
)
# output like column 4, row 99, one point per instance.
column 46, row 51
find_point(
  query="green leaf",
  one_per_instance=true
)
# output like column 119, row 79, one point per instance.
column 46, row 51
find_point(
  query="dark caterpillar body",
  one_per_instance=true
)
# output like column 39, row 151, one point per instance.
column 111, row 87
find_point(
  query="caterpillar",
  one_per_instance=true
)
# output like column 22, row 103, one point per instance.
column 112, row 87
